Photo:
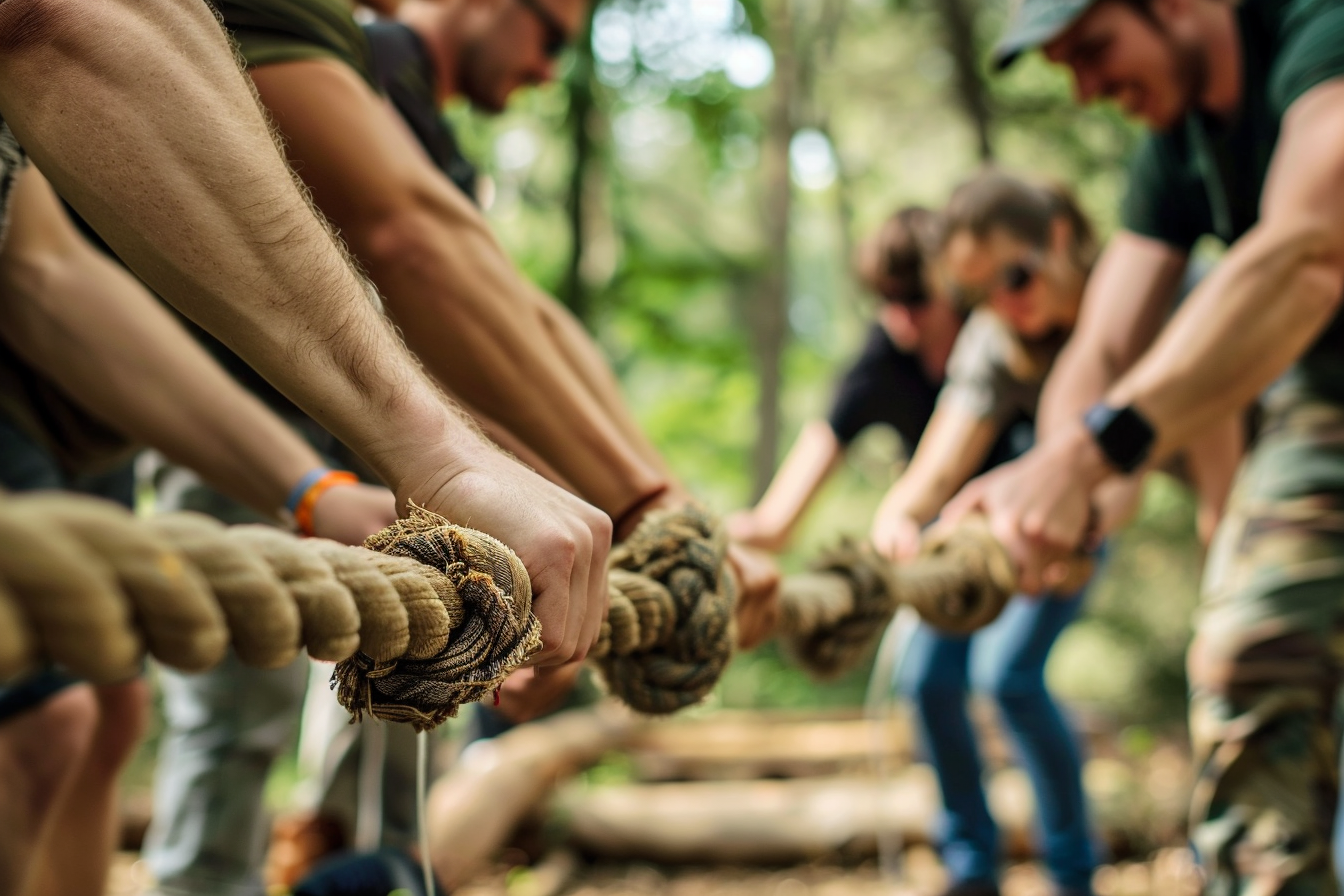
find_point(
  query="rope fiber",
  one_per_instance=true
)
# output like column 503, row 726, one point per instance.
column 429, row 615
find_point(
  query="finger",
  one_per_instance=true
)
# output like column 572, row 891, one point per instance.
column 598, row 593
column 583, row 579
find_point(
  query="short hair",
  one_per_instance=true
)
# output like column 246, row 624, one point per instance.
column 893, row 262
column 994, row 200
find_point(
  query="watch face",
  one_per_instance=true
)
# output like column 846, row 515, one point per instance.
column 1122, row 434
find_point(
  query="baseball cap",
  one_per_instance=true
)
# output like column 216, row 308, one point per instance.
column 1036, row 22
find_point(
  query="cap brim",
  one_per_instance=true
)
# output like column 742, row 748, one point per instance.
column 1022, row 37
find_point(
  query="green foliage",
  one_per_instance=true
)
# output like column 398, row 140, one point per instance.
column 672, row 245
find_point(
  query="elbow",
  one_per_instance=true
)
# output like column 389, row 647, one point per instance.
column 1309, row 261
column 400, row 242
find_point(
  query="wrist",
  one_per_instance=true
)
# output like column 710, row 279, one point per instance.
column 1121, row 434
column 303, row 497
column 1081, row 453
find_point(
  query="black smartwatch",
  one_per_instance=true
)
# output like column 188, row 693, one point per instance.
column 1123, row 434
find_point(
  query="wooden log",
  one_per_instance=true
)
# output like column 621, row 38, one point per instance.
column 759, row 747
column 751, row 822
column 474, row 808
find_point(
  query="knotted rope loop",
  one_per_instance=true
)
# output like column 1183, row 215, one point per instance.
column 493, row 632
column 668, row 634
column 832, row 615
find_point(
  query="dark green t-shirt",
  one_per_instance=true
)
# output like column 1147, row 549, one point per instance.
column 275, row 31
column 1204, row 177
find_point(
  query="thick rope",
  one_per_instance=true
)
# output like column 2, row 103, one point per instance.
column 86, row 585
column 669, row 631
column 495, row 634
column 431, row 615
column 830, row 617
column 426, row 617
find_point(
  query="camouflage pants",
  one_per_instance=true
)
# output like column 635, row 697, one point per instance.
column 1265, row 666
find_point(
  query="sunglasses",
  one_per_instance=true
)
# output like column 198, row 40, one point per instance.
column 1012, row 279
column 557, row 38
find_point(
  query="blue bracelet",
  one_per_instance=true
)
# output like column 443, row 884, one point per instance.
column 301, row 488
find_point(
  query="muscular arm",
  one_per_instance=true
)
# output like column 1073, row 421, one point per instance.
column 138, row 114
column 156, row 138
column 1269, row 299
column 88, row 325
column 1128, row 297
column 461, row 304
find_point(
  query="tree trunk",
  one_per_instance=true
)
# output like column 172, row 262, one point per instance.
column 959, row 36
column 769, row 313
column 582, row 108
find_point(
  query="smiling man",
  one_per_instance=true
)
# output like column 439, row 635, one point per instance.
column 1246, row 106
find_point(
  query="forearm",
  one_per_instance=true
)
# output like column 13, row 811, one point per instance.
column 1124, row 306
column 808, row 464
column 579, row 350
column 465, row 311
column 919, row 495
column 1256, row 314
column 94, row 331
column 1212, row 459
column 184, row 182
column 1081, row 376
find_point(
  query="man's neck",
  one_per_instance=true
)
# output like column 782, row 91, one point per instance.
column 434, row 23
column 1221, row 96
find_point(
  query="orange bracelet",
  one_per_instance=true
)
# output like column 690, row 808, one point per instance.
column 303, row 510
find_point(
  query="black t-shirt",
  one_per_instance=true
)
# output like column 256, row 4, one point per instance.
column 885, row 385
column 890, row 387
column 403, row 69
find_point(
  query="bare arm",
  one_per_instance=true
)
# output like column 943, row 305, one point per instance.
column 1212, row 459
column 138, row 114
column 808, row 464
column 93, row 330
column 1270, row 297
column 953, row 447
column 460, row 302
column 1128, row 297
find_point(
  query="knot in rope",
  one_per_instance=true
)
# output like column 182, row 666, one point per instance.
column 831, row 615
column 488, row 595
column 668, row 633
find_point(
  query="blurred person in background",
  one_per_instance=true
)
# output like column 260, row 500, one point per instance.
column 894, row 381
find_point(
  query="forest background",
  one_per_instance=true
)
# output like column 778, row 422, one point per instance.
column 693, row 187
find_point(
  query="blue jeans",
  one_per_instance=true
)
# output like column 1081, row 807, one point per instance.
column 1005, row 661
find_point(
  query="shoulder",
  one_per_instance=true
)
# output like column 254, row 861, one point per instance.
column 1311, row 49
column 270, row 32
column 983, row 346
